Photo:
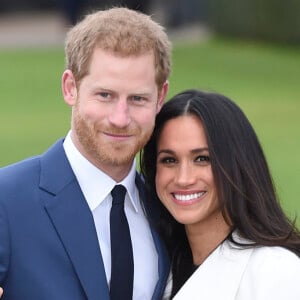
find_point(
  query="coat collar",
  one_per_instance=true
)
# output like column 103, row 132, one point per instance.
column 219, row 276
column 73, row 221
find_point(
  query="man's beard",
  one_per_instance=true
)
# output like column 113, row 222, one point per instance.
column 101, row 151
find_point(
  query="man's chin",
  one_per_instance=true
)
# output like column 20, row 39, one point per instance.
column 118, row 158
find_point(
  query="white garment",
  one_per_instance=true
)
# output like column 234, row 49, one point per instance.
column 260, row 273
column 96, row 187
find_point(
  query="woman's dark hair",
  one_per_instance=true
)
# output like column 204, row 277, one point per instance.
column 243, row 182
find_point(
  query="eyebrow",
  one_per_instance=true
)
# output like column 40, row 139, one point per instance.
column 194, row 151
column 165, row 151
column 197, row 150
column 141, row 94
column 102, row 89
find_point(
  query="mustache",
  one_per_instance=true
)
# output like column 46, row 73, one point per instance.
column 119, row 131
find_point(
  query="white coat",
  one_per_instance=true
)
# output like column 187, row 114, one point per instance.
column 231, row 273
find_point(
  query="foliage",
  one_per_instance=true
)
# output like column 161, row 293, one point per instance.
column 273, row 20
column 262, row 79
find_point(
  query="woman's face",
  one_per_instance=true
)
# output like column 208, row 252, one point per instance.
column 184, row 178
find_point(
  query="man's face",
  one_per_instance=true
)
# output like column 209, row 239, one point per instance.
column 114, row 108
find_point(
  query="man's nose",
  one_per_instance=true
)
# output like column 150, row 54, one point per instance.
column 119, row 115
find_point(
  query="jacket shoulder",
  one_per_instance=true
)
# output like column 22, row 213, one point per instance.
column 18, row 172
column 27, row 172
column 272, row 273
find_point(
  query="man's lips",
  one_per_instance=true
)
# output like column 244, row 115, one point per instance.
column 118, row 136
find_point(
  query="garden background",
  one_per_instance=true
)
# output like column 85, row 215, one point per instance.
column 261, row 75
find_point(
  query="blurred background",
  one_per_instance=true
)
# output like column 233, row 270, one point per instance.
column 248, row 50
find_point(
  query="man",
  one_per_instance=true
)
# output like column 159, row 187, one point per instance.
column 55, row 208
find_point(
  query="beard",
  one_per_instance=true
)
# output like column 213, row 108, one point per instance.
column 102, row 152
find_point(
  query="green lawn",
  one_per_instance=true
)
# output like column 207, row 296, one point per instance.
column 264, row 80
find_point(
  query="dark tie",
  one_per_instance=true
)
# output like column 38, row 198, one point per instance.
column 121, row 282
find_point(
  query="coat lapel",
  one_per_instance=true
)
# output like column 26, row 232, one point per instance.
column 219, row 276
column 73, row 221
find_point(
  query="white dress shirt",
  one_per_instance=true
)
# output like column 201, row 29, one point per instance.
column 96, row 187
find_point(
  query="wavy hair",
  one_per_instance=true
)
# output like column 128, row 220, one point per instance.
column 120, row 31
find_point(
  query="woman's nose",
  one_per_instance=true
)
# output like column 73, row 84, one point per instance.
column 185, row 175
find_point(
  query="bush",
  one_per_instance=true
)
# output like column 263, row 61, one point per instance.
column 272, row 20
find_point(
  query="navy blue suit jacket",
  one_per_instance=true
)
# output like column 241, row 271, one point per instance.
column 48, row 242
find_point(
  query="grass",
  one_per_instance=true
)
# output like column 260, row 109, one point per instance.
column 262, row 79
column 33, row 114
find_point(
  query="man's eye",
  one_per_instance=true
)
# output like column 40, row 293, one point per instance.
column 137, row 98
column 104, row 94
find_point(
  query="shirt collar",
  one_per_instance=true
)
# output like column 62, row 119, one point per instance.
column 94, row 183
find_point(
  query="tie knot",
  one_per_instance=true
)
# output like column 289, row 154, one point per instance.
column 118, row 194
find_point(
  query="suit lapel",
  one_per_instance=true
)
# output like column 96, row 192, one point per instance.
column 163, row 258
column 73, row 221
column 219, row 276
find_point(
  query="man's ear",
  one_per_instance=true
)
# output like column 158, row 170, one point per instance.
column 162, row 96
column 69, row 88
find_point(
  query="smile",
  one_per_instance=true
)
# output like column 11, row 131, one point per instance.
column 188, row 197
column 116, row 136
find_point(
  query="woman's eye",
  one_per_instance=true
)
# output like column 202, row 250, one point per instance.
column 203, row 159
column 167, row 160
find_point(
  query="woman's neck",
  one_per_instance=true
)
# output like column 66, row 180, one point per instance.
column 205, row 238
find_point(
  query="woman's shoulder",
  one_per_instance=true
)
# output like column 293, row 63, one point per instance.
column 268, row 256
column 275, row 257
column 275, row 270
column 271, row 273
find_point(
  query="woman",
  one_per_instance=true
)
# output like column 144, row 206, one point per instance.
column 225, row 231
